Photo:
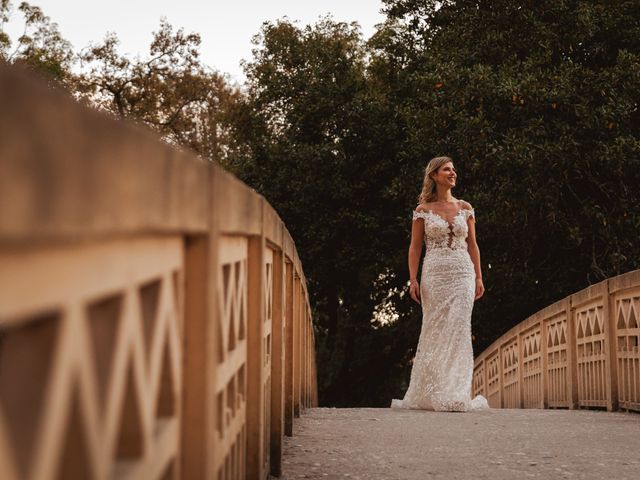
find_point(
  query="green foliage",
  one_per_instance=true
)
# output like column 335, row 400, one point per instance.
column 170, row 90
column 322, row 157
column 537, row 102
column 41, row 48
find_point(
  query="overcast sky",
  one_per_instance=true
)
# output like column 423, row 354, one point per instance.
column 226, row 26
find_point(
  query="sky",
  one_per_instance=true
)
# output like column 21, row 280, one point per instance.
column 226, row 26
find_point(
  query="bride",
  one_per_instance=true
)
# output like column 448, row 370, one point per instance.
column 450, row 282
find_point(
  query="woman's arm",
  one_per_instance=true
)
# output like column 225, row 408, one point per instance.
column 474, row 253
column 415, row 250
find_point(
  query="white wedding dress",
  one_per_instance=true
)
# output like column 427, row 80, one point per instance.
column 442, row 369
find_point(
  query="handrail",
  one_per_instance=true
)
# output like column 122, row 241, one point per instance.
column 579, row 352
column 154, row 314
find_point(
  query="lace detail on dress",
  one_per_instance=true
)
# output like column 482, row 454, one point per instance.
column 469, row 212
column 439, row 233
column 442, row 369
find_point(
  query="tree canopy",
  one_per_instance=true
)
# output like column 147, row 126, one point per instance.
column 169, row 90
column 41, row 47
column 536, row 102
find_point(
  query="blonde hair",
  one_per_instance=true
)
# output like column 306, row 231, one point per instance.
column 428, row 192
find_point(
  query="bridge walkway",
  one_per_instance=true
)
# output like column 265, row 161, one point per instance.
column 385, row 444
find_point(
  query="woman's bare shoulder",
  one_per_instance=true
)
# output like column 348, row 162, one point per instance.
column 423, row 207
column 466, row 205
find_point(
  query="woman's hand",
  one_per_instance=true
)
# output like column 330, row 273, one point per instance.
column 479, row 288
column 414, row 290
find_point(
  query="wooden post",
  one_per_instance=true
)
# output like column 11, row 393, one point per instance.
column 198, row 362
column 309, row 354
column 296, row 346
column 305, row 370
column 314, row 374
column 288, row 380
column 277, row 364
column 500, row 382
column 255, row 380
column 520, row 371
column 572, row 359
column 611, row 352
column 485, row 378
column 544, row 362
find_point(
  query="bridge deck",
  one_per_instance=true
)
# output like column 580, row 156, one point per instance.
column 377, row 443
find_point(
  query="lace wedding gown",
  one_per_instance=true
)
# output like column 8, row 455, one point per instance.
column 442, row 369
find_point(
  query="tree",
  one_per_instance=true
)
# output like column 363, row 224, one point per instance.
column 171, row 90
column 41, row 48
column 319, row 155
column 544, row 132
column 537, row 102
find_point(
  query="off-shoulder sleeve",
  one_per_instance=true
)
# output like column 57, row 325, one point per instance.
column 417, row 214
column 470, row 213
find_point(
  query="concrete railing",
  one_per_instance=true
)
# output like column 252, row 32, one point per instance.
column 154, row 315
column 581, row 351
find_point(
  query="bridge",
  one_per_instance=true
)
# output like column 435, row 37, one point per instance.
column 155, row 323
column 564, row 385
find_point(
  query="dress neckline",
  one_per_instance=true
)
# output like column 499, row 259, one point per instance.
column 450, row 223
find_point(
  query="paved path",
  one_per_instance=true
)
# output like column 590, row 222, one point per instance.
column 380, row 443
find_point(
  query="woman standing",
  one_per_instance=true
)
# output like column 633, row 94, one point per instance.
column 450, row 282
